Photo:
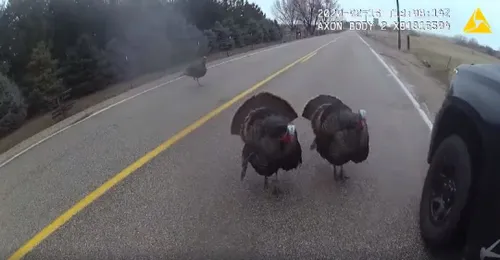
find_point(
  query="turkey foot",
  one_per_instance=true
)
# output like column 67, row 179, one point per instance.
column 341, row 175
column 276, row 190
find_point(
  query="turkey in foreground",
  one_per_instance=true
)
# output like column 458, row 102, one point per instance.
column 197, row 70
column 341, row 135
column 270, row 140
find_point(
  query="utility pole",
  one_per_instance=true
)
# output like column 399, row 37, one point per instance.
column 399, row 25
column 366, row 22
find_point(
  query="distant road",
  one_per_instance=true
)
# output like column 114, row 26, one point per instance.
column 187, row 202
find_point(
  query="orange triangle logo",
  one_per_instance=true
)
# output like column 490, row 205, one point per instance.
column 477, row 23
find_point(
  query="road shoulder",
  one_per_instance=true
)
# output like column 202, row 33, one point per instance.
column 428, row 91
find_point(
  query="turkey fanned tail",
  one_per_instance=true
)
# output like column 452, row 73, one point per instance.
column 341, row 135
column 266, row 100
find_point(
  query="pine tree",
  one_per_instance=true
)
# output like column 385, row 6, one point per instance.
column 86, row 69
column 12, row 106
column 224, row 39
column 211, row 40
column 42, row 82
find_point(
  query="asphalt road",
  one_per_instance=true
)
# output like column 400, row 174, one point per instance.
column 188, row 202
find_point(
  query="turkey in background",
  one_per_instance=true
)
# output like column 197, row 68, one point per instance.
column 197, row 70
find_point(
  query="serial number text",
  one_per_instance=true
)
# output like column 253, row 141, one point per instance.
column 416, row 25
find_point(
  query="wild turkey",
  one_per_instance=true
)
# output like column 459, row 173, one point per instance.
column 341, row 135
column 197, row 70
column 270, row 140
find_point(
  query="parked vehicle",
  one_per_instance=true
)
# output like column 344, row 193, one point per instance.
column 460, row 204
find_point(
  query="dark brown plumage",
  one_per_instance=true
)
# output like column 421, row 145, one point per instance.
column 270, row 140
column 197, row 70
column 341, row 135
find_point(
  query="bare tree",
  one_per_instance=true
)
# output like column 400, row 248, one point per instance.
column 460, row 40
column 286, row 13
column 333, row 9
column 310, row 12
column 473, row 42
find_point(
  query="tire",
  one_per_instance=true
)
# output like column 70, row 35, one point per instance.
column 451, row 152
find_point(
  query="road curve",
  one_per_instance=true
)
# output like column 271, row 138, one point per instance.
column 188, row 202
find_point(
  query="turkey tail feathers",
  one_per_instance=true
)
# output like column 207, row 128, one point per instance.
column 315, row 103
column 269, row 103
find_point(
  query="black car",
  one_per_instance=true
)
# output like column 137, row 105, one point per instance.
column 460, row 204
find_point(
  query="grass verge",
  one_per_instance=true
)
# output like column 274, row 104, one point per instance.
column 439, row 55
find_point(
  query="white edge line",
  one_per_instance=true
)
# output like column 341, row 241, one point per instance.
column 394, row 70
column 134, row 96
column 402, row 85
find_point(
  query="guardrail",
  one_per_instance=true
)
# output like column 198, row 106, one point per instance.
column 61, row 105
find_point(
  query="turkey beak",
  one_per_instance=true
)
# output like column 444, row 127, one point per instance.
column 362, row 118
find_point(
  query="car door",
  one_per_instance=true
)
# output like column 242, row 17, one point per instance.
column 483, row 233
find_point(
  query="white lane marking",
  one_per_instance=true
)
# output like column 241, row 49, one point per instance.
column 425, row 108
column 402, row 85
column 393, row 69
column 131, row 97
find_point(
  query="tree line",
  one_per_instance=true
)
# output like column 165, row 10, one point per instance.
column 306, row 13
column 49, row 46
column 474, row 44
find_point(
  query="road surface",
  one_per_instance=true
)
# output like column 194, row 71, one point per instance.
column 188, row 201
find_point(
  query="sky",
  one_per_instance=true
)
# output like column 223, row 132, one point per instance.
column 460, row 12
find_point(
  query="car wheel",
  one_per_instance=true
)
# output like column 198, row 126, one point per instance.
column 445, row 193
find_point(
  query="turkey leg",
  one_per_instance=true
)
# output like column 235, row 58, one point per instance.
column 276, row 190
column 244, row 166
column 342, row 176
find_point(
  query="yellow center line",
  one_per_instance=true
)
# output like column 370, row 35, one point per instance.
column 308, row 57
column 94, row 195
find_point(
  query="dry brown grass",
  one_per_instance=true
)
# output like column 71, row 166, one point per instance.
column 441, row 54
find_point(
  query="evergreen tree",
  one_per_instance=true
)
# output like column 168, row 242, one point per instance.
column 41, row 78
column 86, row 68
column 224, row 38
column 12, row 106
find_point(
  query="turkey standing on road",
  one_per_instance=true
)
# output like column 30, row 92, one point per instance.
column 270, row 140
column 197, row 70
column 341, row 135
